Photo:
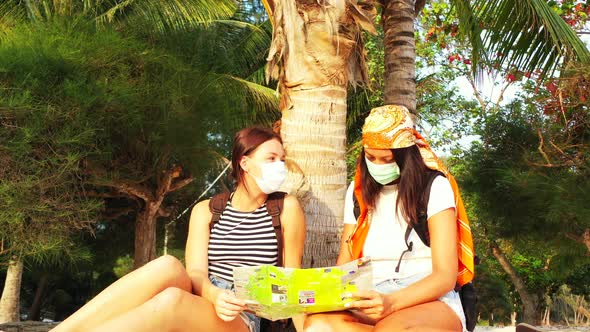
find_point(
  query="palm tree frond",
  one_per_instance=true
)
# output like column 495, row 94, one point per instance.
column 523, row 35
column 470, row 29
column 249, row 45
column 172, row 14
column 259, row 103
column 10, row 14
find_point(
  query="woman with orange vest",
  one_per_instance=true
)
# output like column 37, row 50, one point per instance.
column 414, row 282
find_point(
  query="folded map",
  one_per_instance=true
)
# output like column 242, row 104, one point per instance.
column 276, row 293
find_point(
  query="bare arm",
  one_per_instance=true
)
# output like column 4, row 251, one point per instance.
column 197, row 245
column 293, row 223
column 443, row 242
column 345, row 256
column 227, row 306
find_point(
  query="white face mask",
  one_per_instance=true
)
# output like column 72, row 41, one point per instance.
column 272, row 176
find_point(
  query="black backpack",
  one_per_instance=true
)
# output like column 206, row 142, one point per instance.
column 466, row 292
column 274, row 206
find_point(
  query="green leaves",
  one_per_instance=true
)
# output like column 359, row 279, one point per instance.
column 169, row 15
column 525, row 35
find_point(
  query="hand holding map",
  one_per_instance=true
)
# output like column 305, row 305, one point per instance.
column 276, row 293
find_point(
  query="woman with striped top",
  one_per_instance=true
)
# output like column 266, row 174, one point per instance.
column 164, row 296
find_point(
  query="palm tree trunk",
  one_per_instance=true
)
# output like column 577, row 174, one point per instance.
column 528, row 302
column 400, row 53
column 10, row 302
column 315, row 135
column 316, row 51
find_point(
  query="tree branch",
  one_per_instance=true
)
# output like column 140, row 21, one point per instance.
column 501, row 95
column 540, row 148
column 561, row 108
column 166, row 181
column 181, row 183
column 549, row 165
column 164, row 212
column 110, row 194
column 130, row 189
column 574, row 237
column 526, row 298
column 118, row 213
column 478, row 95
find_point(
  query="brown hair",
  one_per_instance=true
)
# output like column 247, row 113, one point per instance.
column 245, row 142
column 412, row 182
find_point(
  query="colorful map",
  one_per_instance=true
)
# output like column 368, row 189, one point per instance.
column 276, row 293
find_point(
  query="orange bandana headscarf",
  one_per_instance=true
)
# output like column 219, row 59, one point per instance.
column 391, row 127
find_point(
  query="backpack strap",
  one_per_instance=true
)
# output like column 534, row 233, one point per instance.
column 409, row 245
column 274, row 206
column 421, row 226
column 217, row 204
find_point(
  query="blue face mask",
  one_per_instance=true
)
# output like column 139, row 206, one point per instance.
column 383, row 173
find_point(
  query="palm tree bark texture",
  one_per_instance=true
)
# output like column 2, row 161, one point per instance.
column 400, row 52
column 316, row 52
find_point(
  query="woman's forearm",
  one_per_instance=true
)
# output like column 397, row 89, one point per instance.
column 426, row 290
column 202, row 286
column 343, row 257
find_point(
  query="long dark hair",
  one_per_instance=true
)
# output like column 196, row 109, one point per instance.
column 412, row 182
column 246, row 141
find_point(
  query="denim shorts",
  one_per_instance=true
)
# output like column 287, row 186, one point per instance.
column 252, row 321
column 451, row 298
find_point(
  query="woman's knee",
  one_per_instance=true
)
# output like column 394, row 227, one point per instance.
column 167, row 262
column 171, row 270
column 171, row 297
column 317, row 323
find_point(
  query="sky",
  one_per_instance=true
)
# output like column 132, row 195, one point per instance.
column 490, row 89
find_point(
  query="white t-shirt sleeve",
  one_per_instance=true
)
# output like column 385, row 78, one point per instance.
column 441, row 196
column 349, row 205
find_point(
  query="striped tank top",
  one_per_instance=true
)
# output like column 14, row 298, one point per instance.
column 241, row 239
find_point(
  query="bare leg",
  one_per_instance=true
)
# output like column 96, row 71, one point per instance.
column 431, row 316
column 298, row 321
column 127, row 293
column 173, row 310
column 335, row 322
